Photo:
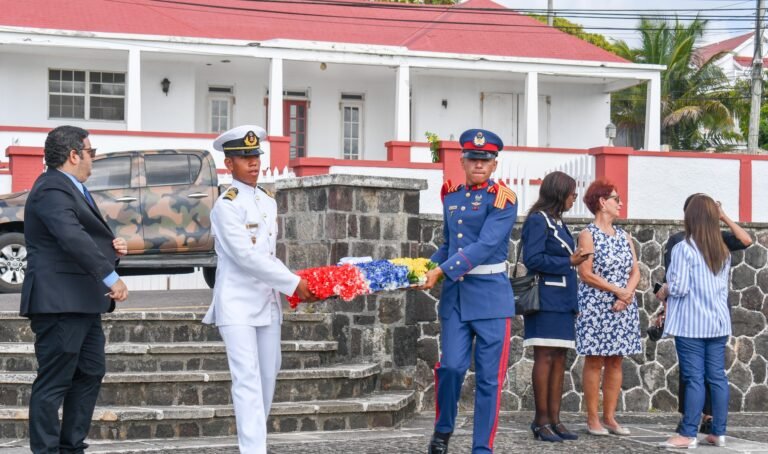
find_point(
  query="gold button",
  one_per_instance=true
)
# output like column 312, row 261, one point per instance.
column 458, row 262
column 461, row 279
column 463, row 208
column 460, row 221
column 467, row 194
column 460, row 235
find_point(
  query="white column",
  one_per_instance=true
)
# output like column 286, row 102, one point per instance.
column 532, row 109
column 403, row 103
column 133, row 94
column 653, row 114
column 275, row 97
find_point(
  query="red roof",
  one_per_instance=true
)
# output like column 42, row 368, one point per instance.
column 473, row 27
column 706, row 52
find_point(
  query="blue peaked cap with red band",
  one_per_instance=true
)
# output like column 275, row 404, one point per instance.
column 480, row 144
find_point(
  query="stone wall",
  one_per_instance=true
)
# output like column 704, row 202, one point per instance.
column 325, row 218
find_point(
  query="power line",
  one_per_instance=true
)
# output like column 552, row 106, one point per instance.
column 400, row 21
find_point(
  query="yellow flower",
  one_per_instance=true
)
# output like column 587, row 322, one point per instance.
column 417, row 268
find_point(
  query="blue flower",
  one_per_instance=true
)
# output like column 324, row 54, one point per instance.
column 382, row 275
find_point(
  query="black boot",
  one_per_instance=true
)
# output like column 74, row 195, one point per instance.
column 439, row 443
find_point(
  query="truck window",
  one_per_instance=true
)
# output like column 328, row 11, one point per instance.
column 171, row 169
column 110, row 173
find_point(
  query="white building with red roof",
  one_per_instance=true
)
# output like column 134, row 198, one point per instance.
column 339, row 78
column 735, row 55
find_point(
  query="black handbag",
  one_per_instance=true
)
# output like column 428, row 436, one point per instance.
column 525, row 289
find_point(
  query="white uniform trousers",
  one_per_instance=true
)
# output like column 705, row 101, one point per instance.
column 253, row 353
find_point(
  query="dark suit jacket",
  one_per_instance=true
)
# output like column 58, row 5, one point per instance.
column 547, row 249
column 69, row 250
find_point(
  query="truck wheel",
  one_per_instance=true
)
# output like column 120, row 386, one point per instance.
column 209, row 274
column 13, row 262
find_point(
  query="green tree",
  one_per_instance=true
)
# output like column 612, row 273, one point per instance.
column 572, row 28
column 697, row 102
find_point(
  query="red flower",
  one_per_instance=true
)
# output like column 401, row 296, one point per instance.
column 345, row 281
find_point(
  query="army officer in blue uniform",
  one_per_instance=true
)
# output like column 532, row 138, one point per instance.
column 477, row 302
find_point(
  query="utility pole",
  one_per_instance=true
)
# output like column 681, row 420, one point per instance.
column 550, row 12
column 757, row 83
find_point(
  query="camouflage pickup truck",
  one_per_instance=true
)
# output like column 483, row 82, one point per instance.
column 158, row 200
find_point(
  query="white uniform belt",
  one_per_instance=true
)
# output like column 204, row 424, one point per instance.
column 489, row 269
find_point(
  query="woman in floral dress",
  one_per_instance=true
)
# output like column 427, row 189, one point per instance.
column 608, row 325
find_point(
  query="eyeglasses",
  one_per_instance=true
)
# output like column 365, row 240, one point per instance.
column 615, row 197
column 90, row 151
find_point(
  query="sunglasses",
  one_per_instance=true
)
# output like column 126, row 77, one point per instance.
column 615, row 197
column 91, row 152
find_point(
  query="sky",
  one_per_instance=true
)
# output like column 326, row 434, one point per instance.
column 740, row 15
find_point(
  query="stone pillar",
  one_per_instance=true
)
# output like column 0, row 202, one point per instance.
column 25, row 165
column 326, row 217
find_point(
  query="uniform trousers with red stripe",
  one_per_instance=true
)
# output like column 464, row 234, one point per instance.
column 491, row 337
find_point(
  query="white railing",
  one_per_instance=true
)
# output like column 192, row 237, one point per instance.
column 516, row 178
column 582, row 169
column 517, row 174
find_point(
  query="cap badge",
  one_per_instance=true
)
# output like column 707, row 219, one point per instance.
column 479, row 140
column 251, row 140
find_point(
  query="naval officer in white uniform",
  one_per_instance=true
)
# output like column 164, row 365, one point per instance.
column 246, row 302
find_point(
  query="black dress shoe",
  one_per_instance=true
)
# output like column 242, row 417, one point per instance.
column 439, row 444
column 563, row 432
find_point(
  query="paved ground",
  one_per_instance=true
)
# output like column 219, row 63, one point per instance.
column 748, row 433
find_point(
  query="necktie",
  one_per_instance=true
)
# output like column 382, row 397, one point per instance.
column 88, row 197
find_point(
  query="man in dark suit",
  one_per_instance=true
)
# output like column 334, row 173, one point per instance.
column 70, row 282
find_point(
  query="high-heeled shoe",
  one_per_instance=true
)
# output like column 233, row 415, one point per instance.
column 715, row 440
column 563, row 432
column 544, row 433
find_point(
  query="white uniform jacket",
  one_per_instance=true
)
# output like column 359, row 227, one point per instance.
column 248, row 275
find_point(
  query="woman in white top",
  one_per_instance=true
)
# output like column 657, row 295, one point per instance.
column 698, row 317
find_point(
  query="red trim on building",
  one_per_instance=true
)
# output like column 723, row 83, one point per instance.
column 745, row 190
column 25, row 165
column 612, row 163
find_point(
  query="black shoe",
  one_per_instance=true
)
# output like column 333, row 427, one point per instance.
column 706, row 426
column 561, row 431
column 439, row 443
column 544, row 433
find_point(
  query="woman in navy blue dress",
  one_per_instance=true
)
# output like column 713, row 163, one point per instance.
column 549, row 251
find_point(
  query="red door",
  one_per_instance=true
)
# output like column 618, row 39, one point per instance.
column 295, row 126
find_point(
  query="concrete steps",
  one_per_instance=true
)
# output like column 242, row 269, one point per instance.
column 125, row 422
column 167, row 378
column 208, row 387
column 172, row 357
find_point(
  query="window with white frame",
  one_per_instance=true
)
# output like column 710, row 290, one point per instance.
column 88, row 95
column 351, row 125
column 220, row 108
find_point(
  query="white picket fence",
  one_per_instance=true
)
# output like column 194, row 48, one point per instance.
column 518, row 177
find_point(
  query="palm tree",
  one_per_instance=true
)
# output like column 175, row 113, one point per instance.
column 696, row 99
